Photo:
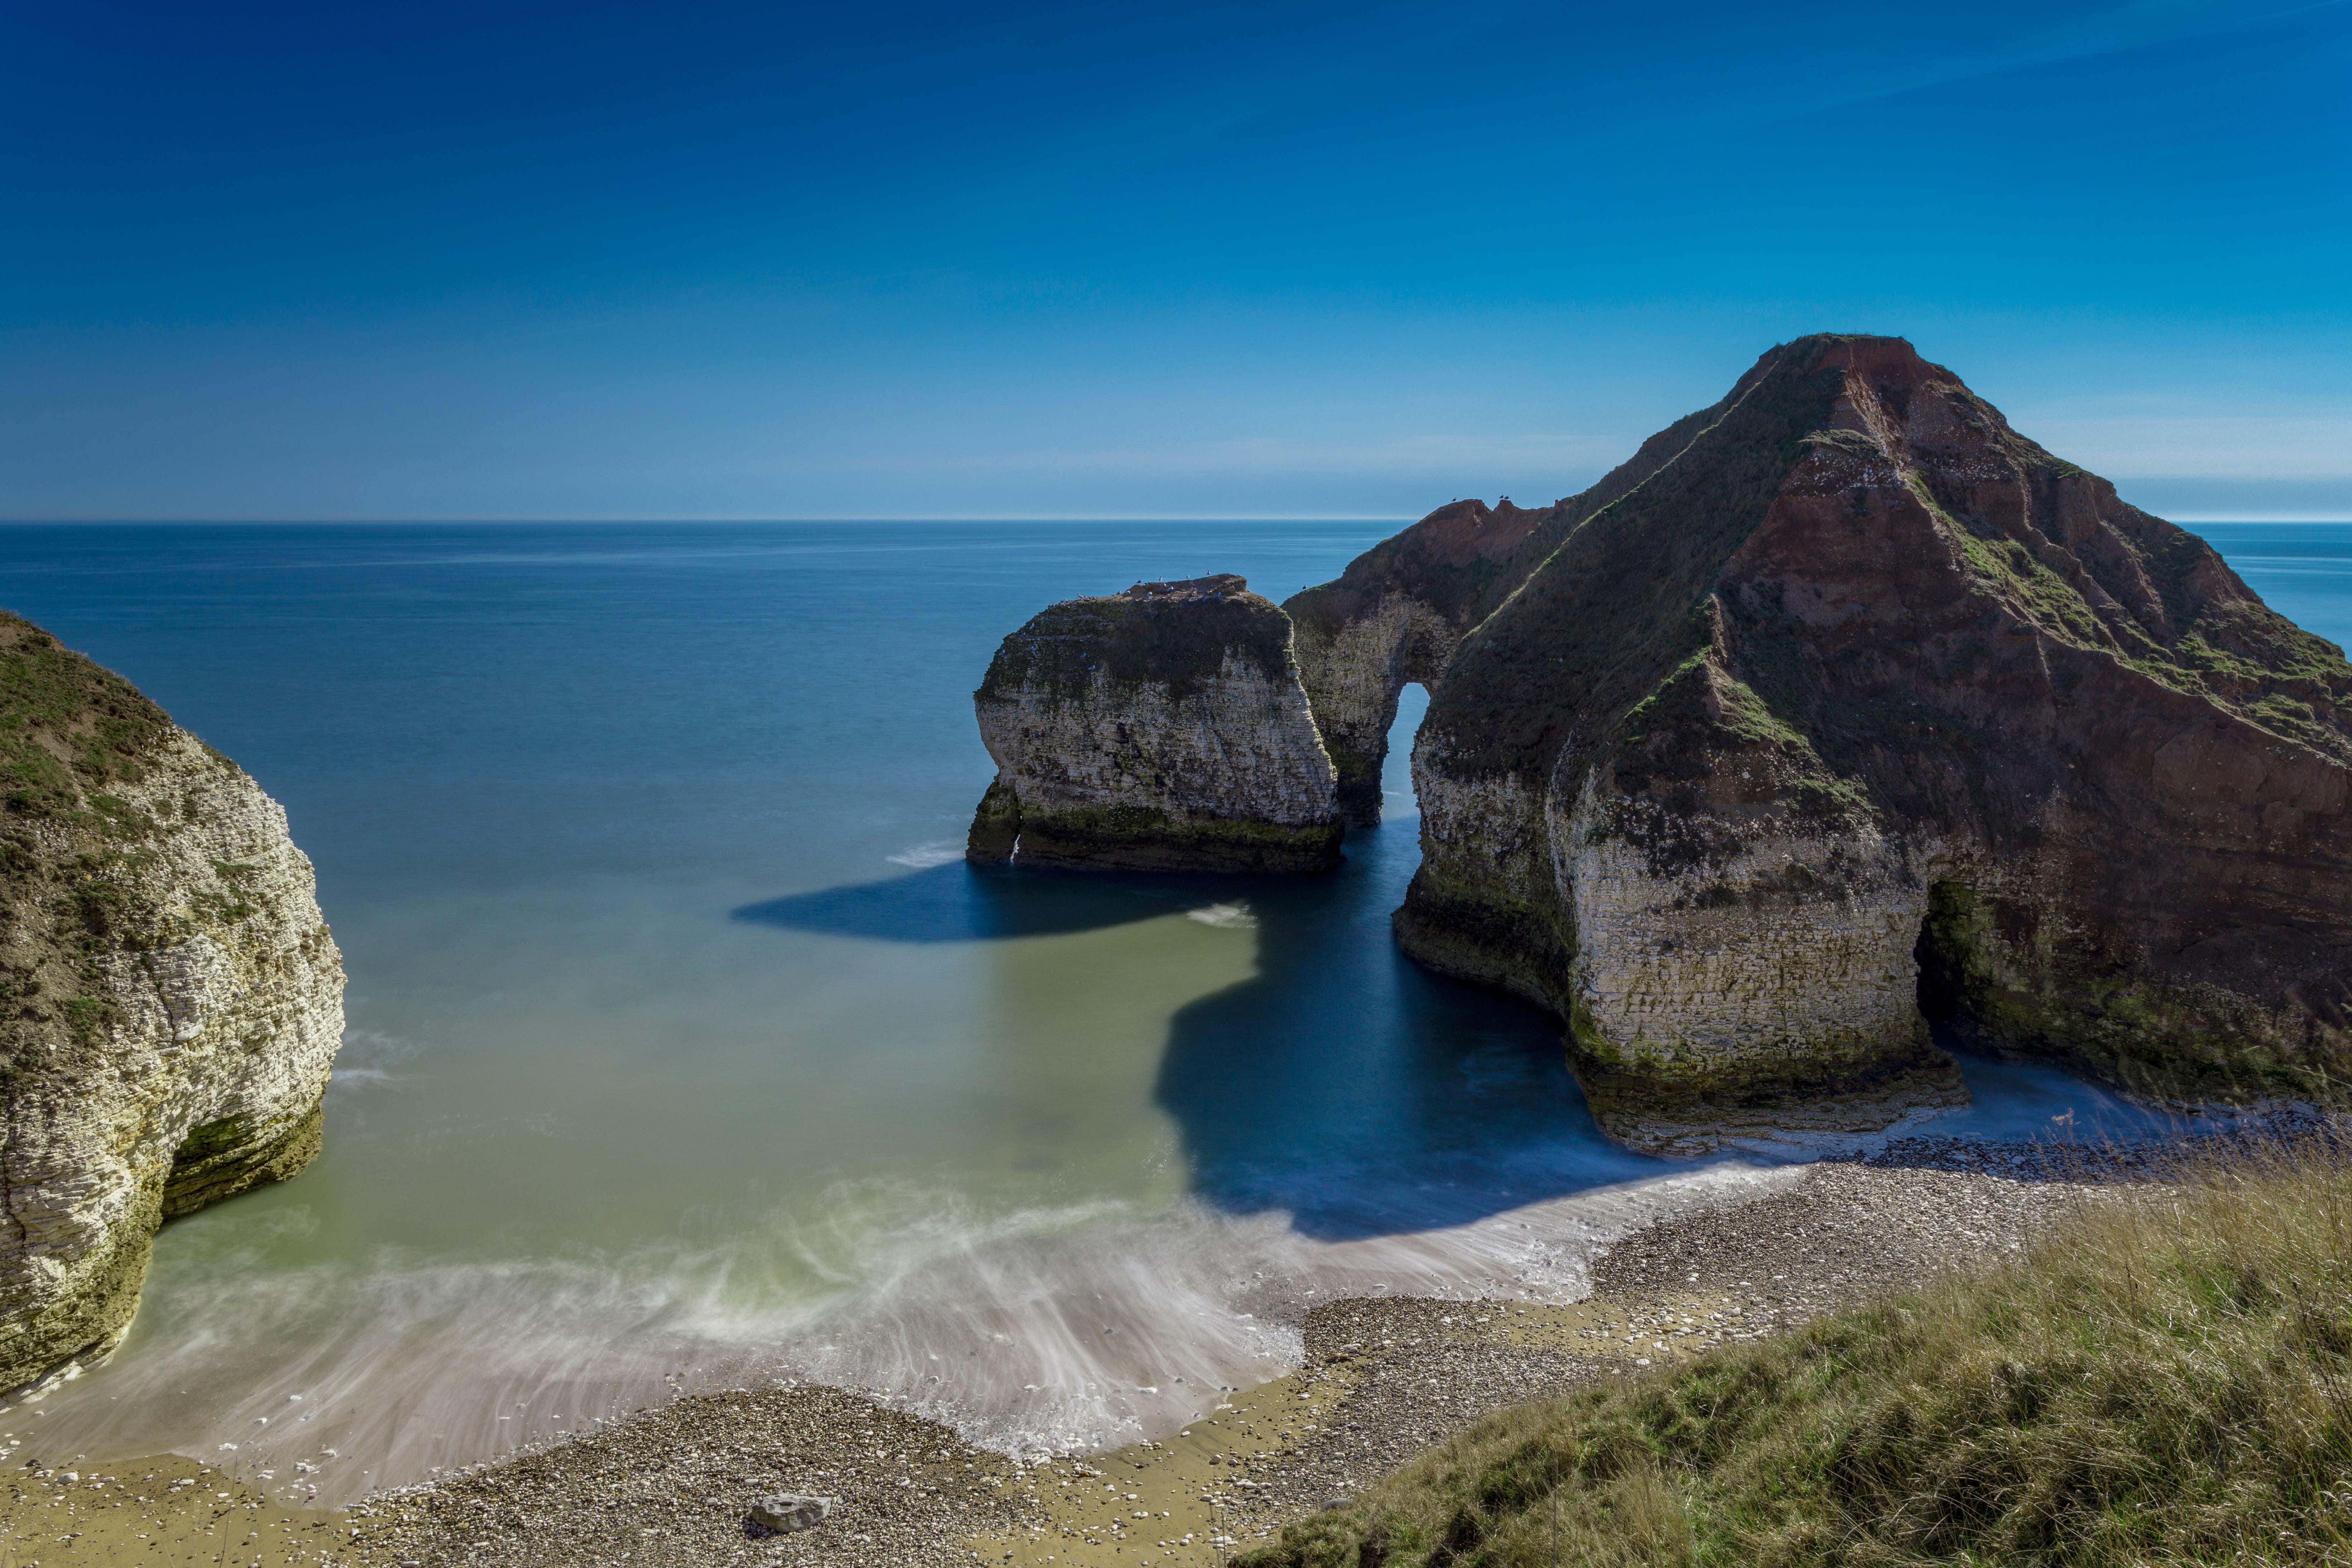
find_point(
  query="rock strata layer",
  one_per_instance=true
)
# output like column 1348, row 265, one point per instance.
column 1855, row 708
column 1161, row 729
column 171, row 1001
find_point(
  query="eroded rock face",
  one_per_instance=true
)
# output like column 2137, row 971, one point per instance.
column 171, row 1001
column 1392, row 619
column 1395, row 616
column 1161, row 729
column 1856, row 680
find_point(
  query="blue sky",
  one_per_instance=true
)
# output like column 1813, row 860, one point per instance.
column 902, row 259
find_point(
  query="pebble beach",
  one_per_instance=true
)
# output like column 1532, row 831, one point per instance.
column 1381, row 1380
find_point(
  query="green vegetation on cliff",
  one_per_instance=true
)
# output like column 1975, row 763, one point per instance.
column 1179, row 639
column 1621, row 608
column 67, row 726
column 1146, row 839
column 2205, row 635
column 2167, row 1379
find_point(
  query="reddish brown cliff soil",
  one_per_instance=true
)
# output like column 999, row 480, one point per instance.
column 1396, row 614
column 1858, row 699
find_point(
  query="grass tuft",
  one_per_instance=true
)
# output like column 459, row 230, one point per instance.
column 2167, row 1378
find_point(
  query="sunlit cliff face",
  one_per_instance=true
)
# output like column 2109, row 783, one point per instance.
column 180, row 1000
column 1839, row 683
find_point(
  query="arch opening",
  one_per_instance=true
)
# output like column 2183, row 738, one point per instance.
column 1409, row 707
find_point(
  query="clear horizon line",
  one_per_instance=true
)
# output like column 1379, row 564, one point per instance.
column 809, row 517
column 519, row 520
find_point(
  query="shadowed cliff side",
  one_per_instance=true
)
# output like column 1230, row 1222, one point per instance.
column 1859, row 681
column 170, row 998
column 1162, row 728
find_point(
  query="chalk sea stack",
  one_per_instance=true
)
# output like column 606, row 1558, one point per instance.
column 1839, row 716
column 1162, row 729
column 1857, row 707
column 172, row 998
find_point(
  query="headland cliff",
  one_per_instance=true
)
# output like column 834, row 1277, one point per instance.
column 171, row 1000
column 1840, row 722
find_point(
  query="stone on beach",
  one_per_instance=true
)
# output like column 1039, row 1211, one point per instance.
column 788, row 1511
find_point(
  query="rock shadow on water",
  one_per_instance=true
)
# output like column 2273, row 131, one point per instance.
column 1341, row 1083
column 1366, row 1096
column 958, row 902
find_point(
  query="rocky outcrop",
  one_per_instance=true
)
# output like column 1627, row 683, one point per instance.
column 1394, row 616
column 1858, row 707
column 170, row 999
column 1161, row 729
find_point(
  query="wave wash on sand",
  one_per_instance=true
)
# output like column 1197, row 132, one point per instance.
column 1045, row 1331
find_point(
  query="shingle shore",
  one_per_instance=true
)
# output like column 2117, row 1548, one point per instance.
column 1382, row 1379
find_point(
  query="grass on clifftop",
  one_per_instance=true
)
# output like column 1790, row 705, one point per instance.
column 2166, row 1379
column 65, row 722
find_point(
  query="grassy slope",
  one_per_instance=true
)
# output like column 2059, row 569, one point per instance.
column 69, row 731
column 2167, row 1380
column 65, row 724
column 1466, row 593
column 1622, row 604
column 1183, row 643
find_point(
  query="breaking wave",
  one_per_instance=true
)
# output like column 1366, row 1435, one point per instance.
column 923, row 857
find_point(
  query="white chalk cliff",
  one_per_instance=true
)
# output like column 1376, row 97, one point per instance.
column 1161, row 729
column 171, row 1000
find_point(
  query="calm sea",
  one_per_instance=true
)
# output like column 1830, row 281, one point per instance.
column 683, row 1048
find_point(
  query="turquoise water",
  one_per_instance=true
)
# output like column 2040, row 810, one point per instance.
column 683, row 1047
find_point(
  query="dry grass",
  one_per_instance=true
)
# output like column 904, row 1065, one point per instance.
column 2167, row 1378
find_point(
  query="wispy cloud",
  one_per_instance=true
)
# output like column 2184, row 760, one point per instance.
column 2119, row 29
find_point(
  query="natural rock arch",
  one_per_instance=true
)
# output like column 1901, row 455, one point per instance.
column 1839, row 678
column 1399, row 610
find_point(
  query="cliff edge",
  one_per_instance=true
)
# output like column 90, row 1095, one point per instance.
column 1161, row 729
column 1860, row 707
column 171, row 1000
